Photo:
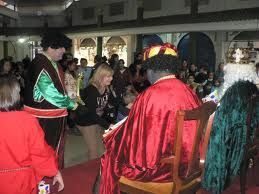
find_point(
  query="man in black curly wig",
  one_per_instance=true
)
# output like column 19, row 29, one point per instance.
column 134, row 148
column 161, row 65
column 45, row 96
column 55, row 40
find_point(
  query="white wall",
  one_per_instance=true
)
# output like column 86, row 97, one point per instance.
column 130, row 11
column 220, row 5
column 168, row 7
column 77, row 10
column 17, row 50
column 38, row 21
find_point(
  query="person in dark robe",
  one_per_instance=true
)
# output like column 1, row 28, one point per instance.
column 45, row 96
column 228, row 135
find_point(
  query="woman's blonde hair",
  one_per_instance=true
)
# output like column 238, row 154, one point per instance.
column 102, row 71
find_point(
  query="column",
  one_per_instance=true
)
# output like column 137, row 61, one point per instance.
column 193, row 35
column 219, row 48
column 99, row 46
column 194, row 7
column 5, row 48
column 193, row 47
column 131, row 39
column 139, row 37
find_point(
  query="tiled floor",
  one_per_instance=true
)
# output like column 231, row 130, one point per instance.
column 75, row 150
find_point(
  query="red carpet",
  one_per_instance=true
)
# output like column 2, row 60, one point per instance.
column 79, row 179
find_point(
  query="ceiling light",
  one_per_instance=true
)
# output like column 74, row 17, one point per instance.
column 21, row 40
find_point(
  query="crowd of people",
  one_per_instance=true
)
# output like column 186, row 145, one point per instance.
column 201, row 80
column 64, row 93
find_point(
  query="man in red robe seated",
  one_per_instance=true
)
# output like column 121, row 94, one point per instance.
column 134, row 148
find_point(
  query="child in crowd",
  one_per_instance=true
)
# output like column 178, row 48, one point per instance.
column 128, row 99
column 191, row 83
column 25, row 156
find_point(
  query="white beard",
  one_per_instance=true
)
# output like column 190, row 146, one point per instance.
column 237, row 72
column 234, row 73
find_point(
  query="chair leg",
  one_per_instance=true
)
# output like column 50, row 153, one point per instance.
column 243, row 171
column 256, row 170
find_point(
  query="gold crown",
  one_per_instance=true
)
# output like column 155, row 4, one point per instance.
column 166, row 49
column 238, row 56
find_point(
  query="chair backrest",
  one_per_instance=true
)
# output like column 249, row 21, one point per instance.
column 201, row 115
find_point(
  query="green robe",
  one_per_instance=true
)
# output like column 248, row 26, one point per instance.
column 45, row 93
column 228, row 137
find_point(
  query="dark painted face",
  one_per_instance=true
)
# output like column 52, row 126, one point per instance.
column 151, row 76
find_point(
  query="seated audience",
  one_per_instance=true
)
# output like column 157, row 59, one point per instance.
column 128, row 99
column 134, row 148
column 191, row 83
column 219, row 74
column 184, row 71
column 216, row 85
column 207, row 89
column 210, row 78
column 202, row 76
column 193, row 69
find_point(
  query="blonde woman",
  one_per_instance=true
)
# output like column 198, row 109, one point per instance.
column 91, row 123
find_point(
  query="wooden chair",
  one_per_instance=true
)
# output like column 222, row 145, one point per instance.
column 191, row 182
column 251, row 147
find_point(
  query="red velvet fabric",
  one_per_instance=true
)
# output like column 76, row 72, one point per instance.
column 135, row 148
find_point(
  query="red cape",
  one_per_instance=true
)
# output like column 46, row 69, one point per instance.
column 135, row 148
